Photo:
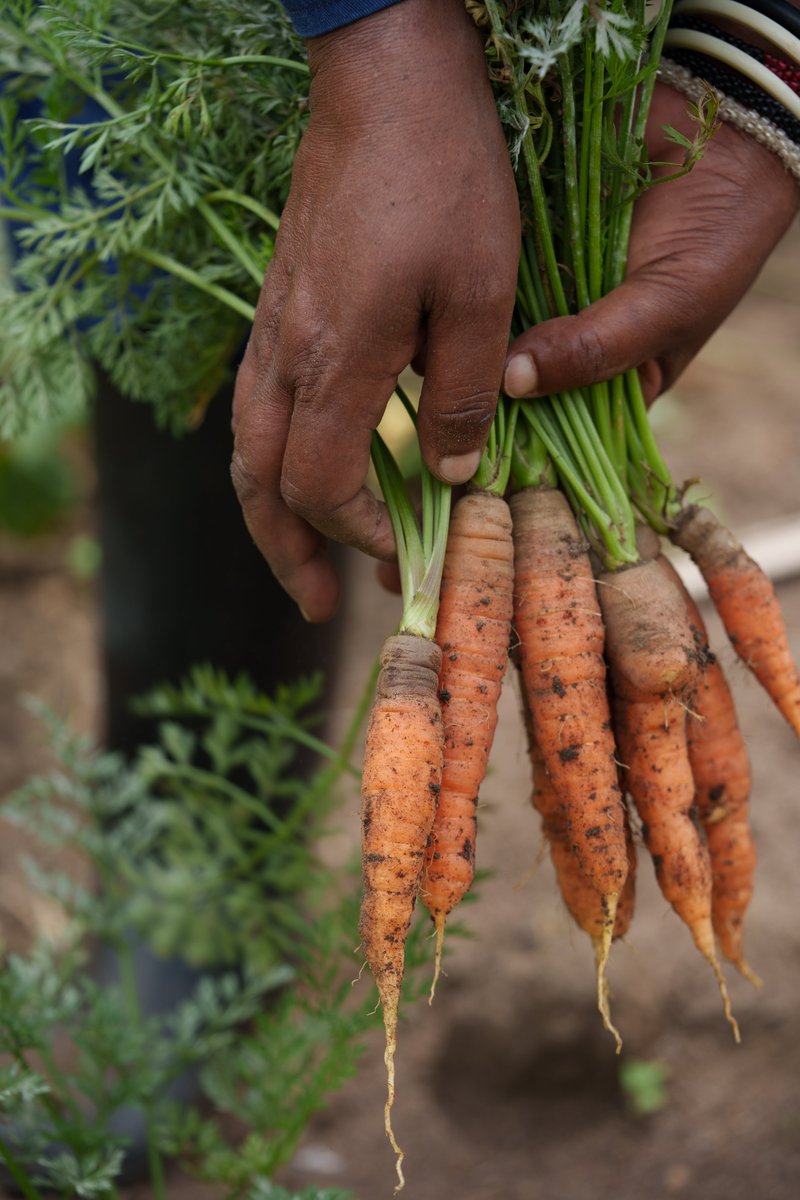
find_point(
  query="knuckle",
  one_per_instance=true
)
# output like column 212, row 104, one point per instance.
column 468, row 411
column 591, row 351
column 246, row 483
column 303, row 499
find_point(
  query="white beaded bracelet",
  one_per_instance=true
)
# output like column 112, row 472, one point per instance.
column 733, row 113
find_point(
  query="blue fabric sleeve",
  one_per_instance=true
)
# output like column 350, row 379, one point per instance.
column 312, row 17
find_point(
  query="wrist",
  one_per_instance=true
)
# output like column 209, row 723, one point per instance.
column 404, row 54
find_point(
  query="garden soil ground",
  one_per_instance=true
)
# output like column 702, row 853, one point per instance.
column 508, row 1087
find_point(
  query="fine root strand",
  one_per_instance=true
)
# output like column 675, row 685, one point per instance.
column 437, row 961
column 390, row 1027
column 602, row 949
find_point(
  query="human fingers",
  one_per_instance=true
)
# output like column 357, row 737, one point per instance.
column 697, row 245
column 464, row 354
column 295, row 551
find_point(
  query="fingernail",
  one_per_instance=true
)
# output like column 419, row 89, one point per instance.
column 305, row 615
column 458, row 468
column 521, row 377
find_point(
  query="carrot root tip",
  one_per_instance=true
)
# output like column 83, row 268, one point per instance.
column 726, row 1000
column 390, row 1027
column 749, row 974
column 602, row 949
column 439, row 920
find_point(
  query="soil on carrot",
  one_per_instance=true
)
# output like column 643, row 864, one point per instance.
column 508, row 1088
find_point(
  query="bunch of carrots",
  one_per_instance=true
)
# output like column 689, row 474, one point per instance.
column 554, row 557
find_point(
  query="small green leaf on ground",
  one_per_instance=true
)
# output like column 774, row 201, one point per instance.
column 644, row 1085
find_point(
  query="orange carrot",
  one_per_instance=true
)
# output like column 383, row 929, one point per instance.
column 651, row 734
column 560, row 630
column 722, row 779
column 473, row 632
column 401, row 779
column 746, row 602
column 592, row 912
column 647, row 631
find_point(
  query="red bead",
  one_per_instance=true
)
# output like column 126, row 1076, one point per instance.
column 788, row 72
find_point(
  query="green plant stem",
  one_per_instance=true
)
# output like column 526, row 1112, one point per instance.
column 546, row 427
column 531, row 466
column 269, row 218
column 594, row 213
column 229, row 239
column 663, row 487
column 622, row 234
column 571, row 189
column 410, row 553
column 207, row 779
column 419, row 616
column 420, row 554
column 256, row 60
column 19, row 1174
column 167, row 263
column 131, row 995
column 164, row 263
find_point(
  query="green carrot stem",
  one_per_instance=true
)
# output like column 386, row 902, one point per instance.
column 181, row 271
column 420, row 572
column 420, row 615
column 530, row 462
column 229, row 239
column 541, row 418
column 641, row 420
column 594, row 216
column 622, row 234
column 267, row 216
column 558, row 303
column 410, row 556
column 18, row 1174
column 131, row 995
column 616, row 445
column 571, row 189
column 532, row 300
column 609, row 485
column 428, row 513
column 266, row 60
column 583, row 177
column 500, row 485
column 404, row 399
column 601, row 414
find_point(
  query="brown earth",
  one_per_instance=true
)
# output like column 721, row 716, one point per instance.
column 508, row 1087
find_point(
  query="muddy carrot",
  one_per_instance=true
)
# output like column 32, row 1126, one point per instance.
column 402, row 771
column 401, row 779
column 473, row 631
column 651, row 735
column 746, row 602
column 560, row 636
column 587, row 907
column 722, row 780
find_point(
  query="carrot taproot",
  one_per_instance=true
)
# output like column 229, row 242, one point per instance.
column 560, row 633
column 401, row 779
column 652, row 740
column 647, row 631
column 722, row 781
column 746, row 602
column 473, row 632
column 602, row 919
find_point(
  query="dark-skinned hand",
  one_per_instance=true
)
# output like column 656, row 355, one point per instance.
column 697, row 244
column 401, row 234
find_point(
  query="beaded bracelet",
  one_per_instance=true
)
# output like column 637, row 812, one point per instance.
column 759, row 91
column 735, row 114
column 743, row 62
